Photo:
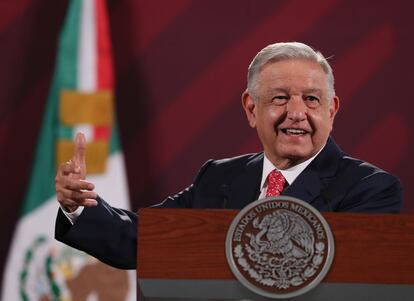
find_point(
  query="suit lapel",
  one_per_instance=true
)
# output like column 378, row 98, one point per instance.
column 245, row 183
column 244, row 187
column 309, row 184
column 306, row 187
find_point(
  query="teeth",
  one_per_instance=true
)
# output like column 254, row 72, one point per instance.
column 295, row 131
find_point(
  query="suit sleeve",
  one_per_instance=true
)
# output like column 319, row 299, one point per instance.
column 107, row 233
column 110, row 234
column 379, row 192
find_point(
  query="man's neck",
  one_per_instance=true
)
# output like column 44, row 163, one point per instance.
column 289, row 171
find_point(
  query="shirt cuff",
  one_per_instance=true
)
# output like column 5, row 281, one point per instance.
column 73, row 216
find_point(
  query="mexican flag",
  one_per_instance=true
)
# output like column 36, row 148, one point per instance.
column 80, row 99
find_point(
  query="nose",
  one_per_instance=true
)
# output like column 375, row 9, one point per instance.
column 296, row 109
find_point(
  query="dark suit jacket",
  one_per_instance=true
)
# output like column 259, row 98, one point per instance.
column 331, row 182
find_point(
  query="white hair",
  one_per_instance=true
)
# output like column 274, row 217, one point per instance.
column 287, row 51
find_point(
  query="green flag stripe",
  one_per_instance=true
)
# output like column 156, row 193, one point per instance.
column 68, row 49
column 41, row 184
column 65, row 132
column 115, row 145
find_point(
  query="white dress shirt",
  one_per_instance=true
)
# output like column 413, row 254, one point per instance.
column 72, row 216
column 290, row 174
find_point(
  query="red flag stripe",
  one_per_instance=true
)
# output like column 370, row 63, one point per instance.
column 105, row 80
column 101, row 133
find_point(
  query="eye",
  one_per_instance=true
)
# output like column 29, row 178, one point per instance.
column 312, row 100
column 280, row 99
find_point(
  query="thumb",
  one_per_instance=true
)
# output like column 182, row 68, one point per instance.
column 80, row 150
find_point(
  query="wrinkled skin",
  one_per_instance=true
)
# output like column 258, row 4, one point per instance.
column 71, row 188
column 292, row 110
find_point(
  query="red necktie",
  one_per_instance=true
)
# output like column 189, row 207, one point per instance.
column 275, row 183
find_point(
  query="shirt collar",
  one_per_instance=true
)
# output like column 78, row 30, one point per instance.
column 290, row 174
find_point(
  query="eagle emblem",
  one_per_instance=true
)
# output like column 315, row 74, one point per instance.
column 280, row 245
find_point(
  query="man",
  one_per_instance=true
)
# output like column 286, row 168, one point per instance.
column 290, row 100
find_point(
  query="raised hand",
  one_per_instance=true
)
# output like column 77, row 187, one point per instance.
column 71, row 188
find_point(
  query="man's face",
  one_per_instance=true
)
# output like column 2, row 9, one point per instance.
column 291, row 110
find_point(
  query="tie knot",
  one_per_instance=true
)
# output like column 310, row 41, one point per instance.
column 275, row 183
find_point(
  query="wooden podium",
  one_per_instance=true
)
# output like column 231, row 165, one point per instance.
column 181, row 256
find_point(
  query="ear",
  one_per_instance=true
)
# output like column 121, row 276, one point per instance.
column 334, row 107
column 249, row 107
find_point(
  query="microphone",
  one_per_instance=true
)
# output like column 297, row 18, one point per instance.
column 224, row 193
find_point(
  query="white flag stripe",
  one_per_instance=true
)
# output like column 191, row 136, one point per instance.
column 86, row 79
column 84, row 128
column 39, row 267
column 27, row 230
column 112, row 185
column 30, row 227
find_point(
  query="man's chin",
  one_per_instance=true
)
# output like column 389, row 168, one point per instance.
column 294, row 157
column 297, row 151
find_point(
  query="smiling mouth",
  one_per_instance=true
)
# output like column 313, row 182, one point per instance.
column 295, row 132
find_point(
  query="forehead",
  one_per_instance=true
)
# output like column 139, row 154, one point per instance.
column 293, row 74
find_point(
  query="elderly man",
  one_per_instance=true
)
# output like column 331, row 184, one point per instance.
column 290, row 100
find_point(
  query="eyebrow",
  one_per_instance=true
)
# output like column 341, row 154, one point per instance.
column 287, row 90
column 307, row 91
column 274, row 90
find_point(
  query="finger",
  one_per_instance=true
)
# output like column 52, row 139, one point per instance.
column 79, row 184
column 90, row 203
column 73, row 183
column 80, row 150
column 77, row 196
column 80, row 147
column 68, row 204
column 68, row 168
column 72, row 205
